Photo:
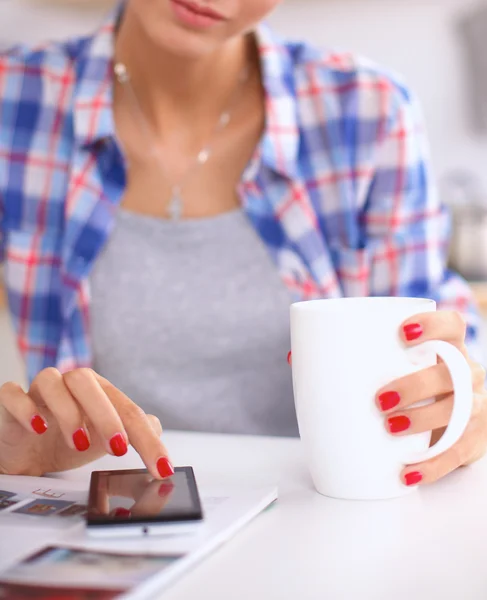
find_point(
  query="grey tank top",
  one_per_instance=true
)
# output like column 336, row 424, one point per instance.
column 191, row 320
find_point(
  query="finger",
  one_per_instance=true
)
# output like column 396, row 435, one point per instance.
column 416, row 387
column 419, row 420
column 155, row 424
column 434, row 469
column 128, row 486
column 140, row 432
column 120, row 486
column 444, row 325
column 428, row 383
column 154, row 499
column 102, row 499
column 85, row 388
column 22, row 409
column 49, row 388
column 478, row 377
column 121, row 513
column 290, row 358
column 116, row 485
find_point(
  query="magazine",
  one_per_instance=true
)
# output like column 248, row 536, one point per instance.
column 40, row 501
column 44, row 547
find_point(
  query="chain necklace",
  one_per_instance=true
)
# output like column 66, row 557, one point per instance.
column 176, row 203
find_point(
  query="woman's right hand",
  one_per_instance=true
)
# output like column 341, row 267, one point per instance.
column 66, row 421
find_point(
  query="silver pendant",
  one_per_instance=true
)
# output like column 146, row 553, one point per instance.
column 224, row 119
column 203, row 156
column 175, row 207
column 121, row 73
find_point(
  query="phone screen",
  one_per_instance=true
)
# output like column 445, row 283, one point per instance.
column 134, row 496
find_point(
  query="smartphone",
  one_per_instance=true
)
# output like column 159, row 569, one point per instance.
column 133, row 503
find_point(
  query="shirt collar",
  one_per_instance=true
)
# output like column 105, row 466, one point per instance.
column 280, row 142
column 93, row 97
column 93, row 101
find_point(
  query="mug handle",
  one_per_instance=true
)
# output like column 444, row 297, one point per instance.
column 461, row 377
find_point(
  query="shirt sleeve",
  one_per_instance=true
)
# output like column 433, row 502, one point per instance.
column 2, row 233
column 407, row 228
column 2, row 163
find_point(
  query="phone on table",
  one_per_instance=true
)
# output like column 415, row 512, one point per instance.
column 132, row 503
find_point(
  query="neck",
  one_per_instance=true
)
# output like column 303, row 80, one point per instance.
column 156, row 75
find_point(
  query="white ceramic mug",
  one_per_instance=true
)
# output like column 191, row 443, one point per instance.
column 343, row 352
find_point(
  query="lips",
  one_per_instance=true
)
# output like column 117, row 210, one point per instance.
column 203, row 11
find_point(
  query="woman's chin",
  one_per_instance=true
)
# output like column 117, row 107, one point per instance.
column 185, row 44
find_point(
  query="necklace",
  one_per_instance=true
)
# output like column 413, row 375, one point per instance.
column 176, row 202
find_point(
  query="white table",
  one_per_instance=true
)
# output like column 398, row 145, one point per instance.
column 431, row 545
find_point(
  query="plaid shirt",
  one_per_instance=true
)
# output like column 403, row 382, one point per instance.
column 339, row 188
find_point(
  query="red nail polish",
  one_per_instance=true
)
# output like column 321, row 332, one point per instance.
column 165, row 489
column 413, row 331
column 389, row 400
column 118, row 445
column 399, row 424
column 413, row 478
column 290, row 357
column 164, row 467
column 80, row 440
column 122, row 513
column 38, row 424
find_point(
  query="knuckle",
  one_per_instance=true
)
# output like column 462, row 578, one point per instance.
column 479, row 373
column 155, row 423
column 8, row 389
column 46, row 377
column 446, row 463
column 77, row 376
column 479, row 404
column 458, row 456
column 131, row 412
column 460, row 322
column 104, row 383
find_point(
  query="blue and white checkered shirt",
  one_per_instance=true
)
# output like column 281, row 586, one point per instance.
column 340, row 187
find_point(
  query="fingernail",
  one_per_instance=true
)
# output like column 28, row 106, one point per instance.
column 118, row 445
column 165, row 490
column 290, row 358
column 164, row 467
column 413, row 478
column 413, row 331
column 38, row 424
column 389, row 400
column 122, row 512
column 399, row 424
column 80, row 440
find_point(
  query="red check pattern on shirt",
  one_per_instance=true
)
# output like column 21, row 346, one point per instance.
column 340, row 187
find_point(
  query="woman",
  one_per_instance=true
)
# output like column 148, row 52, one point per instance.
column 168, row 187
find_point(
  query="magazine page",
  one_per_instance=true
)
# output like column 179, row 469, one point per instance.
column 35, row 512
column 64, row 561
column 61, row 572
column 40, row 502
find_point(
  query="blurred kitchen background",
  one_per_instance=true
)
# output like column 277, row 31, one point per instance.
column 439, row 46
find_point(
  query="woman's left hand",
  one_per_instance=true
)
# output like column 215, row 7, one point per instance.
column 396, row 400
